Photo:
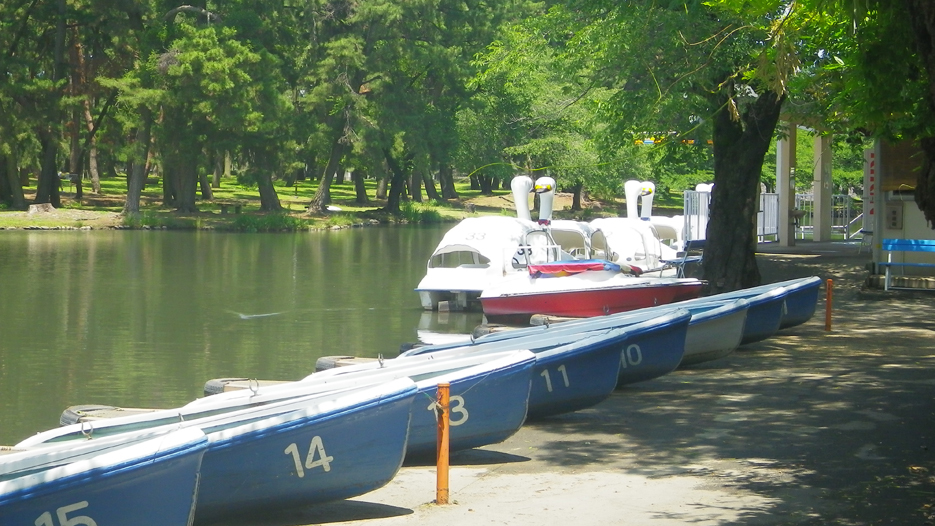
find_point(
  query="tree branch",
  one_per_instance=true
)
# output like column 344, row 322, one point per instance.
column 192, row 9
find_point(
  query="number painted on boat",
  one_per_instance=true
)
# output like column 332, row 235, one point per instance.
column 316, row 450
column 455, row 407
column 63, row 519
column 548, row 378
column 631, row 356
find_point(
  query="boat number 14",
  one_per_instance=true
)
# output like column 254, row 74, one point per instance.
column 316, row 449
column 63, row 519
column 631, row 356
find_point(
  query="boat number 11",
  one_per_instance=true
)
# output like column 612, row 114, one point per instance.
column 631, row 356
column 63, row 519
column 315, row 450
column 548, row 378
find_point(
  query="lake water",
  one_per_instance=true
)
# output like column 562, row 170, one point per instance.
column 145, row 318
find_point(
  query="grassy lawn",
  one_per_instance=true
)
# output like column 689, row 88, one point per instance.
column 103, row 210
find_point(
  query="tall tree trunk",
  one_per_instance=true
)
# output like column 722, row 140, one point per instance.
column 397, row 183
column 93, row 171
column 11, row 187
column 922, row 15
column 739, row 148
column 486, row 184
column 170, row 179
column 360, row 189
column 188, row 183
column 206, row 193
column 322, row 196
column 381, row 188
column 269, row 199
column 576, row 196
column 137, row 176
column 446, row 178
column 47, row 190
column 415, row 186
column 430, row 191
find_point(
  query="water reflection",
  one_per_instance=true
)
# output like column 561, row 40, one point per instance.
column 143, row 319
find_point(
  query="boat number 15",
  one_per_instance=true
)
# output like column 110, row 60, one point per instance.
column 63, row 519
column 631, row 356
column 455, row 407
column 316, row 449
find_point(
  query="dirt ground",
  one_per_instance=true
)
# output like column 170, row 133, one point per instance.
column 808, row 427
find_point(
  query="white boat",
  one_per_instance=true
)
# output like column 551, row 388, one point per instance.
column 636, row 243
column 580, row 239
column 478, row 252
column 481, row 251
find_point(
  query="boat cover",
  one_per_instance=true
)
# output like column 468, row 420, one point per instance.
column 567, row 268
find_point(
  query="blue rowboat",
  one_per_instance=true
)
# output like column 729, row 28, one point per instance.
column 488, row 395
column 773, row 306
column 800, row 299
column 300, row 451
column 566, row 377
column 151, row 482
column 715, row 330
column 655, row 347
column 577, row 368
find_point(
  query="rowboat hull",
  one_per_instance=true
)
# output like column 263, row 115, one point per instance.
column 297, row 451
column 576, row 376
column 714, row 333
column 152, row 483
column 801, row 301
column 577, row 367
column 654, row 350
column 304, row 460
column 489, row 396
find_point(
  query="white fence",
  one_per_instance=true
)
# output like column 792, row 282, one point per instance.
column 696, row 206
column 846, row 216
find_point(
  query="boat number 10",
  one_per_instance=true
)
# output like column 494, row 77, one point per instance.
column 46, row 518
column 631, row 356
column 316, row 457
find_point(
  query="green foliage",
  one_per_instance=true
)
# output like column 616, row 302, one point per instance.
column 251, row 223
column 419, row 212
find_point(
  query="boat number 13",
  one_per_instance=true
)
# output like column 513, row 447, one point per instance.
column 455, row 407
column 631, row 356
column 63, row 519
column 315, row 449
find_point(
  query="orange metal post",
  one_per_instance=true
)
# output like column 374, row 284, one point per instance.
column 829, row 296
column 441, row 486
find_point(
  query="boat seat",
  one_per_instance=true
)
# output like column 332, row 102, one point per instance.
column 685, row 257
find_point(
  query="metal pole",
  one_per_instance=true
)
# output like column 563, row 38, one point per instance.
column 829, row 294
column 441, row 485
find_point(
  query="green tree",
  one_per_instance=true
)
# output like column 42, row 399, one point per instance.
column 685, row 70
